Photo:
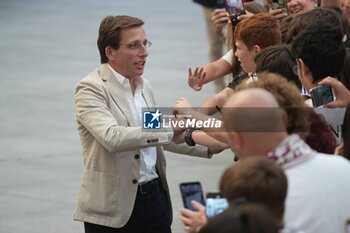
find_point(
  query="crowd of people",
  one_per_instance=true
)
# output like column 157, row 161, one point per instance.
column 288, row 56
column 293, row 163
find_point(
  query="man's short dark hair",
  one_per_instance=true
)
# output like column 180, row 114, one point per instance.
column 321, row 48
column 315, row 16
column 110, row 32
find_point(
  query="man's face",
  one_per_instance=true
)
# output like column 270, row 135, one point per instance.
column 245, row 56
column 126, row 60
column 299, row 6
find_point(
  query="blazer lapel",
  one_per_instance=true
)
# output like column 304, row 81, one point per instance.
column 116, row 91
column 147, row 97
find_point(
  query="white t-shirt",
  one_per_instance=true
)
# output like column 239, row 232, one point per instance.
column 148, row 155
column 318, row 199
column 228, row 57
column 318, row 187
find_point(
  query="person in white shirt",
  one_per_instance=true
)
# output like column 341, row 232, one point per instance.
column 124, row 187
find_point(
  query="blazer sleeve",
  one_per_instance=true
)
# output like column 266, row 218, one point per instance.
column 198, row 150
column 94, row 114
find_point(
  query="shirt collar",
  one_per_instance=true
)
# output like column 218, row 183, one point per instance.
column 291, row 151
column 124, row 81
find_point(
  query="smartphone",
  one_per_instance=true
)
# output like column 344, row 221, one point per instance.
column 280, row 4
column 220, row 4
column 234, row 8
column 215, row 204
column 321, row 95
column 191, row 191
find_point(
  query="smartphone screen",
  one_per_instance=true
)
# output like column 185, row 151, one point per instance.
column 235, row 8
column 279, row 4
column 191, row 191
column 215, row 204
column 321, row 95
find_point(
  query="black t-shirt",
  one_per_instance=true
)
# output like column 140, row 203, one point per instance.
column 237, row 80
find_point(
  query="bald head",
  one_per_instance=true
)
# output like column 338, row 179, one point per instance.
column 254, row 121
column 253, row 110
column 252, row 98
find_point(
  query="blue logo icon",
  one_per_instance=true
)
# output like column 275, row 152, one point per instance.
column 151, row 120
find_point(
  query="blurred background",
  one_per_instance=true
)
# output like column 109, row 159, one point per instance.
column 46, row 46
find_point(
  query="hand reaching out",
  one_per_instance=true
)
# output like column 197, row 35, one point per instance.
column 195, row 80
column 183, row 103
column 179, row 132
column 182, row 107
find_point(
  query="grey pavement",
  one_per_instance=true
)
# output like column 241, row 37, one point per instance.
column 46, row 46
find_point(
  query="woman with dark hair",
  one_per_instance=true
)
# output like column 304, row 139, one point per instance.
column 278, row 59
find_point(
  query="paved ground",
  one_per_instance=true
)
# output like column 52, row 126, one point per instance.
column 46, row 47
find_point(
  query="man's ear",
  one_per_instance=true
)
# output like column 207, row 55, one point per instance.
column 236, row 142
column 257, row 49
column 109, row 53
column 284, row 117
column 303, row 68
column 304, row 74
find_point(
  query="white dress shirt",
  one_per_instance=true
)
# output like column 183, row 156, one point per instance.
column 148, row 155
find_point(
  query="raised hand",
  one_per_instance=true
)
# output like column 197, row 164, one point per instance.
column 195, row 80
column 220, row 18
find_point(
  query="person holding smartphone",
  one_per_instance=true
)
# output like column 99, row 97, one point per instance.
column 320, row 52
column 253, row 180
column 341, row 93
column 307, row 167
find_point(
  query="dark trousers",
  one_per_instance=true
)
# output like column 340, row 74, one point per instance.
column 150, row 213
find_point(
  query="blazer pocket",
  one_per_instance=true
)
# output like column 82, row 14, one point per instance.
column 98, row 194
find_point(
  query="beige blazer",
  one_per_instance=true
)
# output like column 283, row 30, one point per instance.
column 110, row 144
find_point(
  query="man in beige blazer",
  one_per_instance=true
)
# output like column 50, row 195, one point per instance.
column 124, row 188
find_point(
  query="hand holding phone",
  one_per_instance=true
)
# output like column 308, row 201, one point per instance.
column 321, row 95
column 234, row 8
column 279, row 4
column 191, row 191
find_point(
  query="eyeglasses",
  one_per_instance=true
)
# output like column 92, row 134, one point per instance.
column 138, row 45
